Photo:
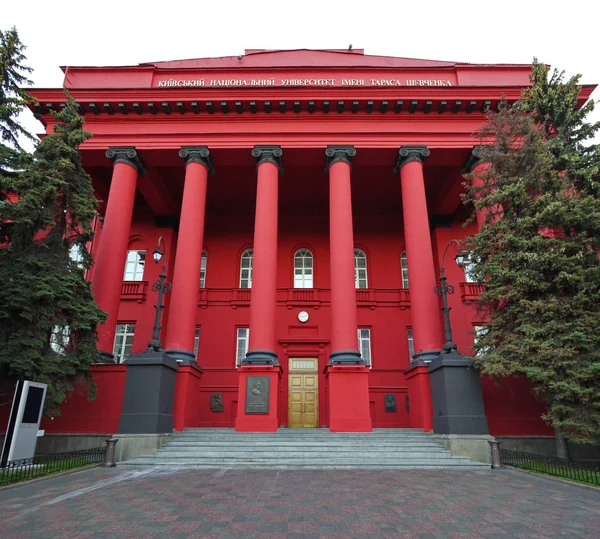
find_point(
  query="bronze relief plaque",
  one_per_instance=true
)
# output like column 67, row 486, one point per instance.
column 257, row 395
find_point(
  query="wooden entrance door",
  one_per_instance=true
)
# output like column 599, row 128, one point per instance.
column 303, row 393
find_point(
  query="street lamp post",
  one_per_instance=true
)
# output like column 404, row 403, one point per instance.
column 444, row 289
column 162, row 288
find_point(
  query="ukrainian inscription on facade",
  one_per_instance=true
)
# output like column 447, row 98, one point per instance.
column 310, row 82
column 257, row 395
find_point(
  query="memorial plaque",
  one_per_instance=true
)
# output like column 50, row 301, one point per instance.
column 390, row 402
column 216, row 402
column 257, row 395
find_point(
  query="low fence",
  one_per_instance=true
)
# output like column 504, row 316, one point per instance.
column 587, row 473
column 21, row 470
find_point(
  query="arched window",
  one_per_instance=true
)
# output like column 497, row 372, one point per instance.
column 303, row 269
column 404, row 266
column 246, row 269
column 203, row 261
column 360, row 269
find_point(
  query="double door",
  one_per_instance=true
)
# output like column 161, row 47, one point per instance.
column 303, row 393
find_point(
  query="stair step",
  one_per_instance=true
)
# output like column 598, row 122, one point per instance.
column 306, row 449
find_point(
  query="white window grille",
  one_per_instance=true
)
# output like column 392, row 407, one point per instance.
column 134, row 267
column 360, row 269
column 478, row 333
column 404, row 266
column 246, row 269
column 59, row 339
column 203, row 261
column 75, row 255
column 303, row 269
column 123, row 341
column 411, row 343
column 364, row 344
column 196, row 343
column 468, row 268
column 243, row 336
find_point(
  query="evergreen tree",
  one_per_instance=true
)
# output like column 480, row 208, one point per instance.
column 538, row 251
column 48, row 318
column 13, row 101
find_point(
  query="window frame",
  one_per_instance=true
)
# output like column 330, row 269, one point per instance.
column 410, row 341
column 197, row 342
column 203, row 264
column 305, row 254
column 368, row 339
column 479, row 330
column 135, row 274
column 121, row 357
column 358, row 254
column 238, row 337
column 404, row 270
column 246, row 254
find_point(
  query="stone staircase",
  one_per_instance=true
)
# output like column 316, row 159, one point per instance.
column 385, row 449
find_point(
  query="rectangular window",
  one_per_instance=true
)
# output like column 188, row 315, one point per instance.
column 123, row 341
column 478, row 333
column 197, row 343
column 364, row 344
column 468, row 267
column 411, row 343
column 243, row 335
column 76, row 255
column 59, row 339
column 134, row 267
column 203, row 261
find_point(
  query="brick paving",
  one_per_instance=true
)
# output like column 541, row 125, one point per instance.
column 158, row 503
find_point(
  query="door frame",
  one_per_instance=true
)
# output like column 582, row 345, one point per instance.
column 300, row 372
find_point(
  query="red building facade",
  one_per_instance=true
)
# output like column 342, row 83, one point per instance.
column 305, row 199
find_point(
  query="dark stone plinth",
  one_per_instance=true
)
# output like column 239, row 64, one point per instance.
column 456, row 396
column 149, row 393
column 346, row 357
column 184, row 357
column 260, row 357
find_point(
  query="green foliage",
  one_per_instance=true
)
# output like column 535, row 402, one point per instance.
column 13, row 101
column 48, row 318
column 538, row 251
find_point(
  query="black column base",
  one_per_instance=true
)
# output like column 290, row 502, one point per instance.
column 149, row 394
column 260, row 357
column 183, row 357
column 346, row 357
column 456, row 396
column 424, row 356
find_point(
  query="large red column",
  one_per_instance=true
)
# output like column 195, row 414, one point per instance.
column 424, row 308
column 347, row 373
column 260, row 371
column 112, row 251
column 181, row 326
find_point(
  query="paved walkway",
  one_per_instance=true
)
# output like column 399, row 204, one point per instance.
column 149, row 503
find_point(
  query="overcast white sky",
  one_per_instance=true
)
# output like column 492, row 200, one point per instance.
column 125, row 32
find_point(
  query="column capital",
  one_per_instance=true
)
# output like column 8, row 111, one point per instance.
column 197, row 154
column 407, row 154
column 473, row 160
column 127, row 155
column 334, row 154
column 268, row 154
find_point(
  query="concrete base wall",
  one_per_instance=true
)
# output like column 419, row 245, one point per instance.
column 131, row 446
column 474, row 446
column 546, row 446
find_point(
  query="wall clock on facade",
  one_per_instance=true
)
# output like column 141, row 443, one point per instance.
column 303, row 316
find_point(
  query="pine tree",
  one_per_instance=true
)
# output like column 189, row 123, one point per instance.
column 48, row 317
column 13, row 101
column 538, row 251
